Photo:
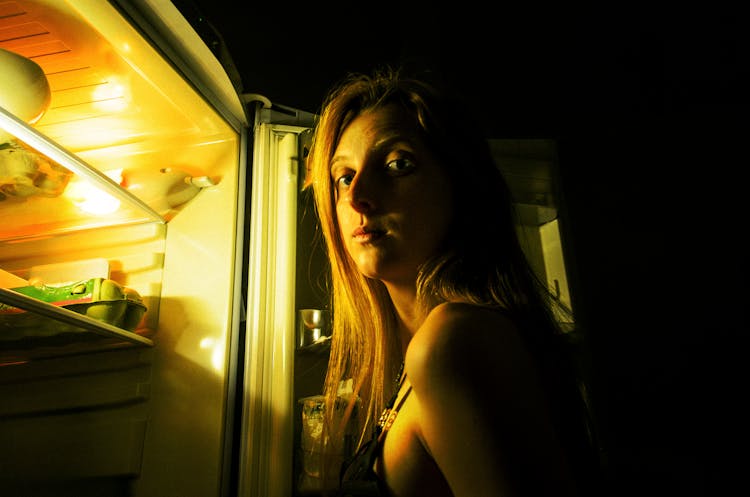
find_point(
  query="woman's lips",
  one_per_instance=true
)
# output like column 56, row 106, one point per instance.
column 365, row 234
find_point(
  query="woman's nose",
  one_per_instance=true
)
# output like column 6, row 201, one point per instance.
column 362, row 193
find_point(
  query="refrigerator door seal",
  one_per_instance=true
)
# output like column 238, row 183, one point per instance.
column 266, row 434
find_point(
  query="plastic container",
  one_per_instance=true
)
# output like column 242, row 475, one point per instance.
column 98, row 298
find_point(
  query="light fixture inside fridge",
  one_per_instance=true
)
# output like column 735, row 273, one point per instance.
column 92, row 200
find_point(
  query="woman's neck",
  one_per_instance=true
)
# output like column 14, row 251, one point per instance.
column 404, row 300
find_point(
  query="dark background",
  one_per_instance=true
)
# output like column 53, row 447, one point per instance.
column 648, row 106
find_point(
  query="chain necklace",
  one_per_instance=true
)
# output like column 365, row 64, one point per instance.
column 388, row 415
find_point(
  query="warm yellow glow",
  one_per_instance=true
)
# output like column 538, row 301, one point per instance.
column 111, row 97
column 217, row 357
column 91, row 199
column 217, row 352
column 115, row 175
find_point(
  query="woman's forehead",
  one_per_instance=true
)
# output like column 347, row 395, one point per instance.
column 388, row 120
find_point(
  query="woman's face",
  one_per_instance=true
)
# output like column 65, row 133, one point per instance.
column 393, row 198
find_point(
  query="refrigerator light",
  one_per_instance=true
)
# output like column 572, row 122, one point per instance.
column 91, row 199
column 99, row 203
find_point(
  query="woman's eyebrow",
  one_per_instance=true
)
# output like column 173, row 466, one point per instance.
column 396, row 143
column 335, row 161
column 387, row 137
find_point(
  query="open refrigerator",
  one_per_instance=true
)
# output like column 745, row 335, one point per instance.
column 149, row 143
column 174, row 185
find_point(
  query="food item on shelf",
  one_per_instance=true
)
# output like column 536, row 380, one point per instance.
column 134, row 311
column 25, row 93
column 25, row 173
column 98, row 298
column 24, row 88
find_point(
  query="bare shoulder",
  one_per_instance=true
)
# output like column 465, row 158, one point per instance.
column 469, row 368
column 464, row 341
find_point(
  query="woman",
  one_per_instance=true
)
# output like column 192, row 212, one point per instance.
column 434, row 306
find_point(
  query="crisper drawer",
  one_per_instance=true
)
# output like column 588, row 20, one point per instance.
column 77, row 417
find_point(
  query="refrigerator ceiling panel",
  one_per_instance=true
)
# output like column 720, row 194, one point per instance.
column 118, row 83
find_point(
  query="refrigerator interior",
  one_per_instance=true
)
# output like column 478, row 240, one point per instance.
column 152, row 144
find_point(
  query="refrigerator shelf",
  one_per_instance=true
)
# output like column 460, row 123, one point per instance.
column 66, row 328
column 31, row 160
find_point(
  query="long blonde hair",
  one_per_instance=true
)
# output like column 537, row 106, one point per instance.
column 482, row 261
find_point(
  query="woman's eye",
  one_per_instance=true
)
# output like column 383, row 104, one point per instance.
column 399, row 166
column 344, row 180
